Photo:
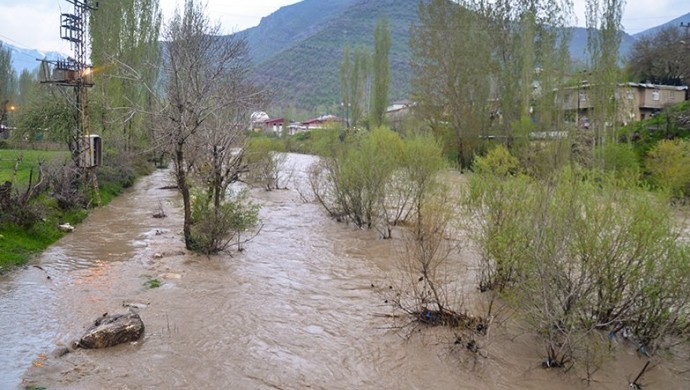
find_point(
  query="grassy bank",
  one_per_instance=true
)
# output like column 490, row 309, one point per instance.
column 30, row 159
column 20, row 241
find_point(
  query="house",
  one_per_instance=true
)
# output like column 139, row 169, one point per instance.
column 320, row 122
column 274, row 125
column 634, row 101
column 653, row 98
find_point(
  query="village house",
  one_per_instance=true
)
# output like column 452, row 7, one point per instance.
column 261, row 122
column 634, row 101
column 320, row 122
column 274, row 125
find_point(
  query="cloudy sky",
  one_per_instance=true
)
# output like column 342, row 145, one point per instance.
column 35, row 23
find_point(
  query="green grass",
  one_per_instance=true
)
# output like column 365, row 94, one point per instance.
column 153, row 283
column 8, row 160
column 18, row 244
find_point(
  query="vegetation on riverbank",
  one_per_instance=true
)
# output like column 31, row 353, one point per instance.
column 38, row 198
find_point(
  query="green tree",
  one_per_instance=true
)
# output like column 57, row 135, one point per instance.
column 27, row 86
column 486, row 69
column 381, row 73
column 452, row 79
column 604, row 34
column 7, row 82
column 359, row 82
column 126, row 57
column 346, row 83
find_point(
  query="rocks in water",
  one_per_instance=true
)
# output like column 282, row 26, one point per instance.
column 113, row 329
column 135, row 305
column 63, row 349
column 66, row 228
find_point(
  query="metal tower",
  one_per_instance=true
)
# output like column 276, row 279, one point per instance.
column 75, row 72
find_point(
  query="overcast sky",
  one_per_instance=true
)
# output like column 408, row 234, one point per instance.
column 35, row 23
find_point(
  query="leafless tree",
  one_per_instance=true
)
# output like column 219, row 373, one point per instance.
column 206, row 90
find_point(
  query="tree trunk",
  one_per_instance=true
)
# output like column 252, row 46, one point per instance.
column 181, row 174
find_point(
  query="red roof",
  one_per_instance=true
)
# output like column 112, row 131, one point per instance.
column 276, row 121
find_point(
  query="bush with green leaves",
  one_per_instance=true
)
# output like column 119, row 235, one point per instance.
column 266, row 160
column 668, row 164
column 376, row 179
column 580, row 253
column 497, row 162
column 214, row 229
column 621, row 159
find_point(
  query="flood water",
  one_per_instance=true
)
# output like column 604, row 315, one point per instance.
column 302, row 307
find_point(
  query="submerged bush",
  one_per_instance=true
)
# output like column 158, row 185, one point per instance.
column 581, row 252
column 376, row 179
column 266, row 159
column 214, row 229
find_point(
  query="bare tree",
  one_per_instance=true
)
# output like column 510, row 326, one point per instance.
column 205, row 86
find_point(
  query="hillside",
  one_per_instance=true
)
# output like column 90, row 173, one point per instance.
column 578, row 44
column 675, row 22
column 307, row 73
column 291, row 24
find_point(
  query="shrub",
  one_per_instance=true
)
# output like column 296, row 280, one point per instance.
column 582, row 252
column 265, row 159
column 213, row 229
column 621, row 159
column 668, row 163
column 376, row 179
column 497, row 162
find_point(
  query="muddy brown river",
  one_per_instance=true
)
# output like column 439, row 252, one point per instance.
column 302, row 307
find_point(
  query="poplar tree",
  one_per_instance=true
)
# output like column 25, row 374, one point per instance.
column 381, row 73
column 126, row 57
column 346, row 82
column 359, row 80
column 7, row 74
column 604, row 34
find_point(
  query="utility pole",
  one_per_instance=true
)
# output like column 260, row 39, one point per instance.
column 76, row 73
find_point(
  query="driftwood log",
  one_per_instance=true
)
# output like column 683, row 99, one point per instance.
column 114, row 329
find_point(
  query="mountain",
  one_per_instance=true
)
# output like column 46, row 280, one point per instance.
column 675, row 22
column 291, row 24
column 306, row 71
column 25, row 59
column 578, row 44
